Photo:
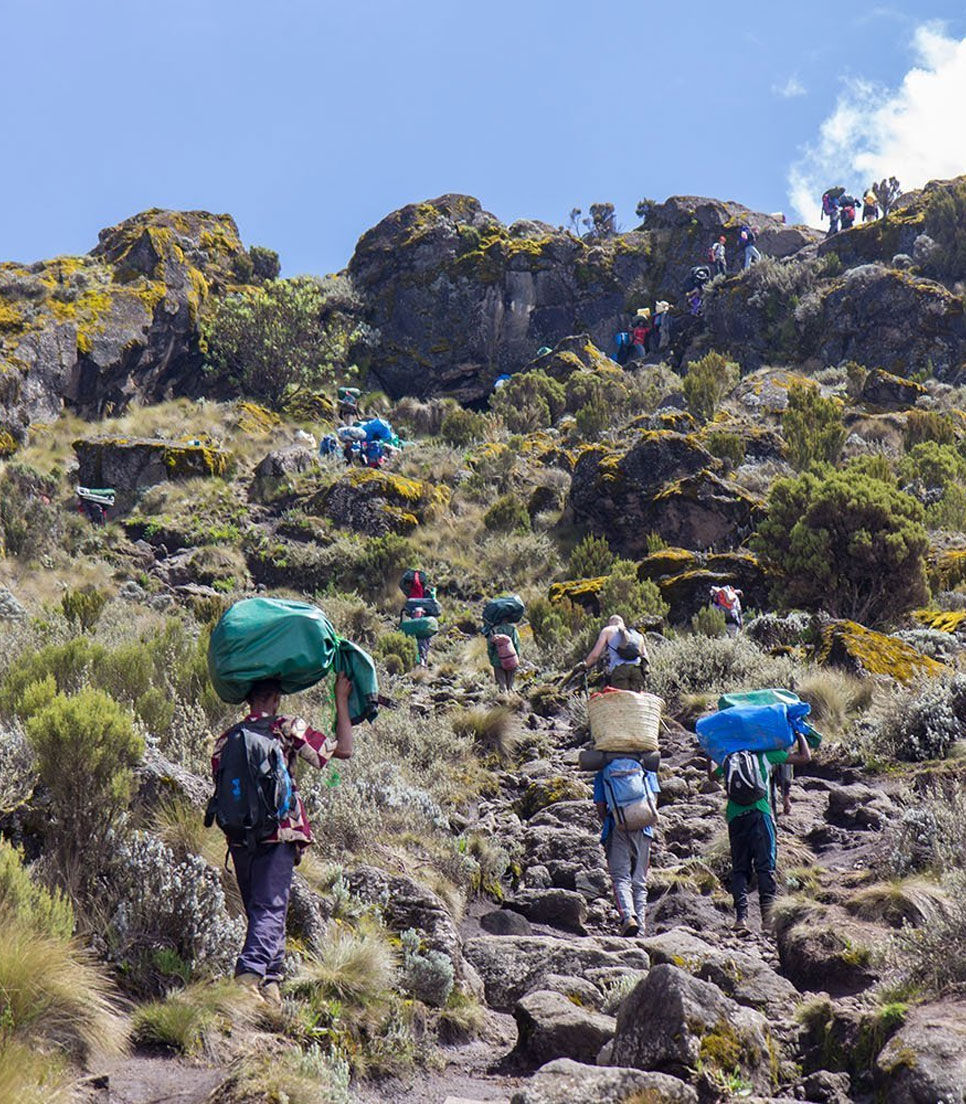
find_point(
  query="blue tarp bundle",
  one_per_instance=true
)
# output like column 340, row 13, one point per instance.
column 759, row 728
column 377, row 429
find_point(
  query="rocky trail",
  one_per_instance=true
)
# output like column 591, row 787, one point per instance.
column 716, row 1011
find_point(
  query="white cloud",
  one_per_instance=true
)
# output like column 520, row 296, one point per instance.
column 914, row 132
column 790, row 89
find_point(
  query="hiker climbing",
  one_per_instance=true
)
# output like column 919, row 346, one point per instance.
column 693, row 287
column 641, row 334
column 624, row 726
column 870, row 206
column 744, row 745
column 717, row 257
column 746, row 241
column 727, row 599
column 347, row 403
column 257, row 805
column 418, row 618
column 847, row 210
column 624, row 652
column 622, row 347
column 661, row 332
column 500, row 617
column 830, row 208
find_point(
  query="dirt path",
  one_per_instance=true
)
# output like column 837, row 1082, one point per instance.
column 146, row 1079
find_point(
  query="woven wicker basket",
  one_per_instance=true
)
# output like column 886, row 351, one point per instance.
column 621, row 720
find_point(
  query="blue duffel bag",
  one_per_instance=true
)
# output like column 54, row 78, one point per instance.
column 759, row 728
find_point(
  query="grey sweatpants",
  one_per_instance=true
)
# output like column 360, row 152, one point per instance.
column 265, row 882
column 628, row 855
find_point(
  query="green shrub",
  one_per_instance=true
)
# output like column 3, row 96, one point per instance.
column 708, row 621
column 426, row 974
column 403, row 647
column 590, row 558
column 41, row 909
column 845, row 543
column 935, row 465
column 265, row 263
column 714, row 665
column 83, row 608
column 729, row 447
column 86, row 749
column 30, row 522
column 812, row 427
column 380, row 562
column 507, row 515
column 529, row 401
column 928, row 425
column 946, row 225
column 461, row 427
column 707, row 382
column 636, row 600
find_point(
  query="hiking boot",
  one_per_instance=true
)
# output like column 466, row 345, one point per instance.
column 251, row 982
column 741, row 926
column 630, row 927
column 271, row 992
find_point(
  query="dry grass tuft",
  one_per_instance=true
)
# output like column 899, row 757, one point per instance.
column 192, row 1020
column 356, row 968
column 914, row 901
column 493, row 730
column 836, row 697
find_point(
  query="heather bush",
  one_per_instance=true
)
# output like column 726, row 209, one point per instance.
column 590, row 558
column 529, row 401
column 812, row 427
column 426, row 974
column 83, row 608
column 398, row 644
column 923, row 725
column 928, row 425
column 507, row 515
column 18, row 774
column 636, row 600
column 86, row 748
column 462, row 427
column 45, row 910
column 707, row 382
column 701, row 664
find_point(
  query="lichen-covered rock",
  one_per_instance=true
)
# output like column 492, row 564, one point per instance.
column 673, row 1023
column 823, row 948
column 120, row 324
column 546, row 791
column 884, row 389
column 664, row 483
column 549, row 1026
column 458, row 298
column 377, row 502
column 858, row 649
column 925, row 1061
column 565, row 1081
column 128, row 465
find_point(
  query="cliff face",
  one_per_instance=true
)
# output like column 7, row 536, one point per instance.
column 119, row 323
column 459, row 298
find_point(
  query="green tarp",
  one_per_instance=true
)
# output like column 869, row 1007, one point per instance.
column 294, row 642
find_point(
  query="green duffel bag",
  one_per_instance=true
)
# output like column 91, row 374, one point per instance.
column 293, row 642
column 505, row 610
column 745, row 699
column 419, row 627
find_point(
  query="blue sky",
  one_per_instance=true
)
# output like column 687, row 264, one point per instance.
column 309, row 120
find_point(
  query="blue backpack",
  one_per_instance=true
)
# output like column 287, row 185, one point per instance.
column 628, row 795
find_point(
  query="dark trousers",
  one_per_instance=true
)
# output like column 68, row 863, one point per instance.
column 264, row 881
column 753, row 845
column 627, row 676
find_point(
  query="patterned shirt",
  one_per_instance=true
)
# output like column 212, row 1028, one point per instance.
column 299, row 742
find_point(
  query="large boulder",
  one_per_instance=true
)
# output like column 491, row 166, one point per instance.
column 743, row 977
column 118, row 325
column 459, row 298
column 821, row 947
column 925, row 1061
column 565, row 1081
column 676, row 1024
column 864, row 651
column 375, row 502
column 560, row 908
column 513, row 966
column 666, row 483
column 130, row 465
column 551, row 1025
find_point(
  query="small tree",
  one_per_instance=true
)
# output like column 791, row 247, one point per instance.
column 507, row 515
column 590, row 558
column 285, row 338
column 812, row 427
column 886, row 193
column 602, row 222
column 529, row 401
column 265, row 263
column 643, row 208
column 85, row 748
column 707, row 382
column 633, row 598
column 844, row 542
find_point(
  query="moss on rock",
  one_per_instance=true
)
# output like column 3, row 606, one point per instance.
column 853, row 646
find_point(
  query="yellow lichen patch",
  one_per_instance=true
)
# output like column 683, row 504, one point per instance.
column 666, row 561
column 582, row 591
column 11, row 317
column 182, row 461
column 8, row 446
column 253, row 418
column 949, row 621
column 947, row 568
column 848, row 644
column 400, row 521
column 392, row 487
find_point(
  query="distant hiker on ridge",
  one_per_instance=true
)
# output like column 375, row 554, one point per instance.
column 718, row 257
column 746, row 241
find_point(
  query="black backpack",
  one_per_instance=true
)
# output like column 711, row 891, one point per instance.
column 253, row 787
column 742, row 778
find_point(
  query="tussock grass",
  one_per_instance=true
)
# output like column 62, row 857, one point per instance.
column 914, row 901
column 31, row 1077
column 493, row 730
column 296, row 1077
column 53, row 993
column 356, row 968
column 192, row 1020
column 835, row 696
